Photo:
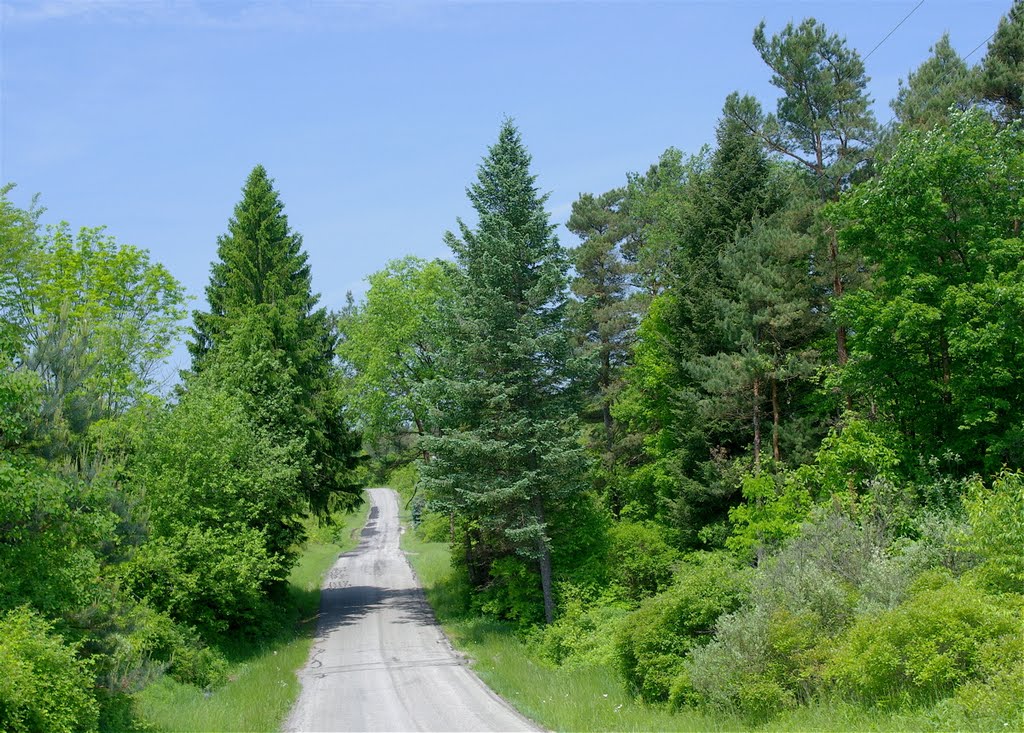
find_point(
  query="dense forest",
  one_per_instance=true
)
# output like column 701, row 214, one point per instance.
column 755, row 442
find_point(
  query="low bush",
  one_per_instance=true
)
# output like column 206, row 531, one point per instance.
column 925, row 648
column 44, row 686
column 996, row 518
column 653, row 641
column 760, row 663
column 584, row 633
column 214, row 579
column 640, row 560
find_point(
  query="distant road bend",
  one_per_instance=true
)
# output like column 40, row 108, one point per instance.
column 379, row 661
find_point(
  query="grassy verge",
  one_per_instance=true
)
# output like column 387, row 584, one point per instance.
column 558, row 698
column 262, row 685
column 594, row 698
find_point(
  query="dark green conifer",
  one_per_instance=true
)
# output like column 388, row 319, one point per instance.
column 509, row 461
column 265, row 337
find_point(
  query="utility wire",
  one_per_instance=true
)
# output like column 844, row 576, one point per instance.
column 896, row 28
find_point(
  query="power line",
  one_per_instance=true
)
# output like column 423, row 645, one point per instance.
column 981, row 44
column 896, row 28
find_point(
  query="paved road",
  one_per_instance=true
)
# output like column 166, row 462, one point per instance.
column 380, row 662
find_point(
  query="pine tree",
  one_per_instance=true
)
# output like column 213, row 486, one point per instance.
column 605, row 319
column 509, row 458
column 265, row 337
column 823, row 121
column 944, row 80
column 1002, row 70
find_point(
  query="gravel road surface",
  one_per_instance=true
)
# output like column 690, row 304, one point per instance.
column 379, row 661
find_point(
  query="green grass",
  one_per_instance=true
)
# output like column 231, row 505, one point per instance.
column 594, row 698
column 262, row 685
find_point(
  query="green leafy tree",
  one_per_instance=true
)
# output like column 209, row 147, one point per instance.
column 509, row 460
column 267, row 340
column 1001, row 80
column 94, row 319
column 937, row 340
column 391, row 345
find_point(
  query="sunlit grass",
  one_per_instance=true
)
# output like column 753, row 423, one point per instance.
column 262, row 684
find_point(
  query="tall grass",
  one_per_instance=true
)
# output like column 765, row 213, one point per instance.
column 262, row 685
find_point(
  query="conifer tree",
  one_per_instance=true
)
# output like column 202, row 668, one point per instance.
column 1002, row 70
column 823, row 121
column 944, row 80
column 509, row 458
column 605, row 318
column 265, row 338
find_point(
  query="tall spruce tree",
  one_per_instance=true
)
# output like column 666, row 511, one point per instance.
column 266, row 339
column 510, row 458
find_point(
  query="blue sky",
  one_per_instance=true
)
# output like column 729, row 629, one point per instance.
column 146, row 115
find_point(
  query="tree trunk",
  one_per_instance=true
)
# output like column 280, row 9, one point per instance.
column 842, row 355
column 775, row 420
column 545, row 565
column 757, row 425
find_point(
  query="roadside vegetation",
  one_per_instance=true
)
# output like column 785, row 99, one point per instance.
column 777, row 483
column 158, row 553
column 749, row 455
column 261, row 684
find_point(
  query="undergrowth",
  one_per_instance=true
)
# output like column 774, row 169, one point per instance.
column 261, row 682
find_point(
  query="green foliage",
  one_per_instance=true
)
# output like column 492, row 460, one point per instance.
column 923, row 649
column 223, row 506
column 204, row 464
column 391, row 344
column 775, row 507
column 264, row 340
column 508, row 458
column 941, row 82
column 49, row 528
column 1001, row 79
column 996, row 517
column 584, row 633
column 823, row 118
column 44, row 686
column 934, row 344
column 91, row 317
column 213, row 578
column 640, row 561
column 653, row 641
column 512, row 593
column 758, row 665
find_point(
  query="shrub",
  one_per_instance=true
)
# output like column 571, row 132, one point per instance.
column 924, row 648
column 584, row 632
column 211, row 578
column 513, row 592
column 996, row 518
column 760, row 663
column 205, row 465
column 640, row 561
column 653, row 641
column 44, row 686
column 48, row 532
